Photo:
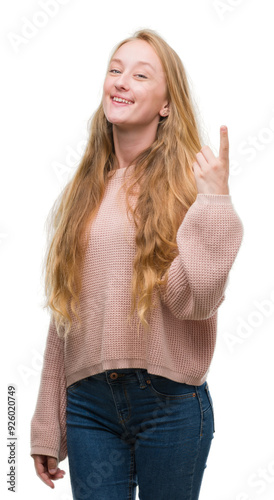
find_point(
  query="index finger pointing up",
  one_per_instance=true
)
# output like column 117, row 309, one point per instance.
column 224, row 144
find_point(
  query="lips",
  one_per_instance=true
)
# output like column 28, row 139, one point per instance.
column 121, row 97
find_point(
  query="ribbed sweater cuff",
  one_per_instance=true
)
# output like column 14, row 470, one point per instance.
column 44, row 450
column 213, row 199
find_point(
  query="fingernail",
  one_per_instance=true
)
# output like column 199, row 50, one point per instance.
column 52, row 471
column 223, row 129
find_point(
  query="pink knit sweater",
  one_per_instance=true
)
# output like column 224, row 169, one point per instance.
column 181, row 341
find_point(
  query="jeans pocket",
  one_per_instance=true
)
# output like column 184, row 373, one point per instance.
column 73, row 387
column 168, row 388
column 210, row 404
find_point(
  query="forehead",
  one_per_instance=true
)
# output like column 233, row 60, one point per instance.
column 138, row 50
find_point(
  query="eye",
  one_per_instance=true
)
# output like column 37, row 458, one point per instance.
column 117, row 71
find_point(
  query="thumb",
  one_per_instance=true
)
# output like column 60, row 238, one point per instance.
column 52, row 465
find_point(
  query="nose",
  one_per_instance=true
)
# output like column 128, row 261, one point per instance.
column 121, row 82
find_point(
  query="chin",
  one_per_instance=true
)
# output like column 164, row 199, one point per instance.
column 115, row 120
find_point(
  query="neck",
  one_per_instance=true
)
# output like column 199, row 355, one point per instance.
column 128, row 143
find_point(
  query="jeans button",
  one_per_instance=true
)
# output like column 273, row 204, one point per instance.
column 114, row 375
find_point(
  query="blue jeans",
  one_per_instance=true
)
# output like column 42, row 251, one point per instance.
column 128, row 427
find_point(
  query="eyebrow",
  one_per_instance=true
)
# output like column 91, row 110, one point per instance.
column 138, row 62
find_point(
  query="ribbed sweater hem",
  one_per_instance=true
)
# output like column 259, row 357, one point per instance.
column 116, row 364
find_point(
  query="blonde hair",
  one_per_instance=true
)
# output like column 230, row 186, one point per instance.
column 167, row 189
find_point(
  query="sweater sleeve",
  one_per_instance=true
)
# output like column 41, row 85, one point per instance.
column 48, row 424
column 208, row 241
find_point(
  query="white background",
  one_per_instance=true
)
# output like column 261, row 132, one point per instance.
column 50, row 85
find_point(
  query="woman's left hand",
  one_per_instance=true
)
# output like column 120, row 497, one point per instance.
column 211, row 173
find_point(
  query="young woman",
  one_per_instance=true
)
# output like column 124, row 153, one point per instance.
column 144, row 237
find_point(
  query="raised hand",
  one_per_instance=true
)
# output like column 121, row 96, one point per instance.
column 211, row 173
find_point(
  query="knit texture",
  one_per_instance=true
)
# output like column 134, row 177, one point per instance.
column 181, row 341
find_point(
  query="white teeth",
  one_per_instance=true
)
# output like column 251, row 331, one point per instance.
column 118, row 99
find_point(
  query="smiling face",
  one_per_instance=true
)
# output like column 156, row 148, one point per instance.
column 135, row 74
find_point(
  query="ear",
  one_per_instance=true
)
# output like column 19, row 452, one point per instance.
column 165, row 110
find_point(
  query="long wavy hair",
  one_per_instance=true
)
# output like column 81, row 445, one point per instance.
column 166, row 190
